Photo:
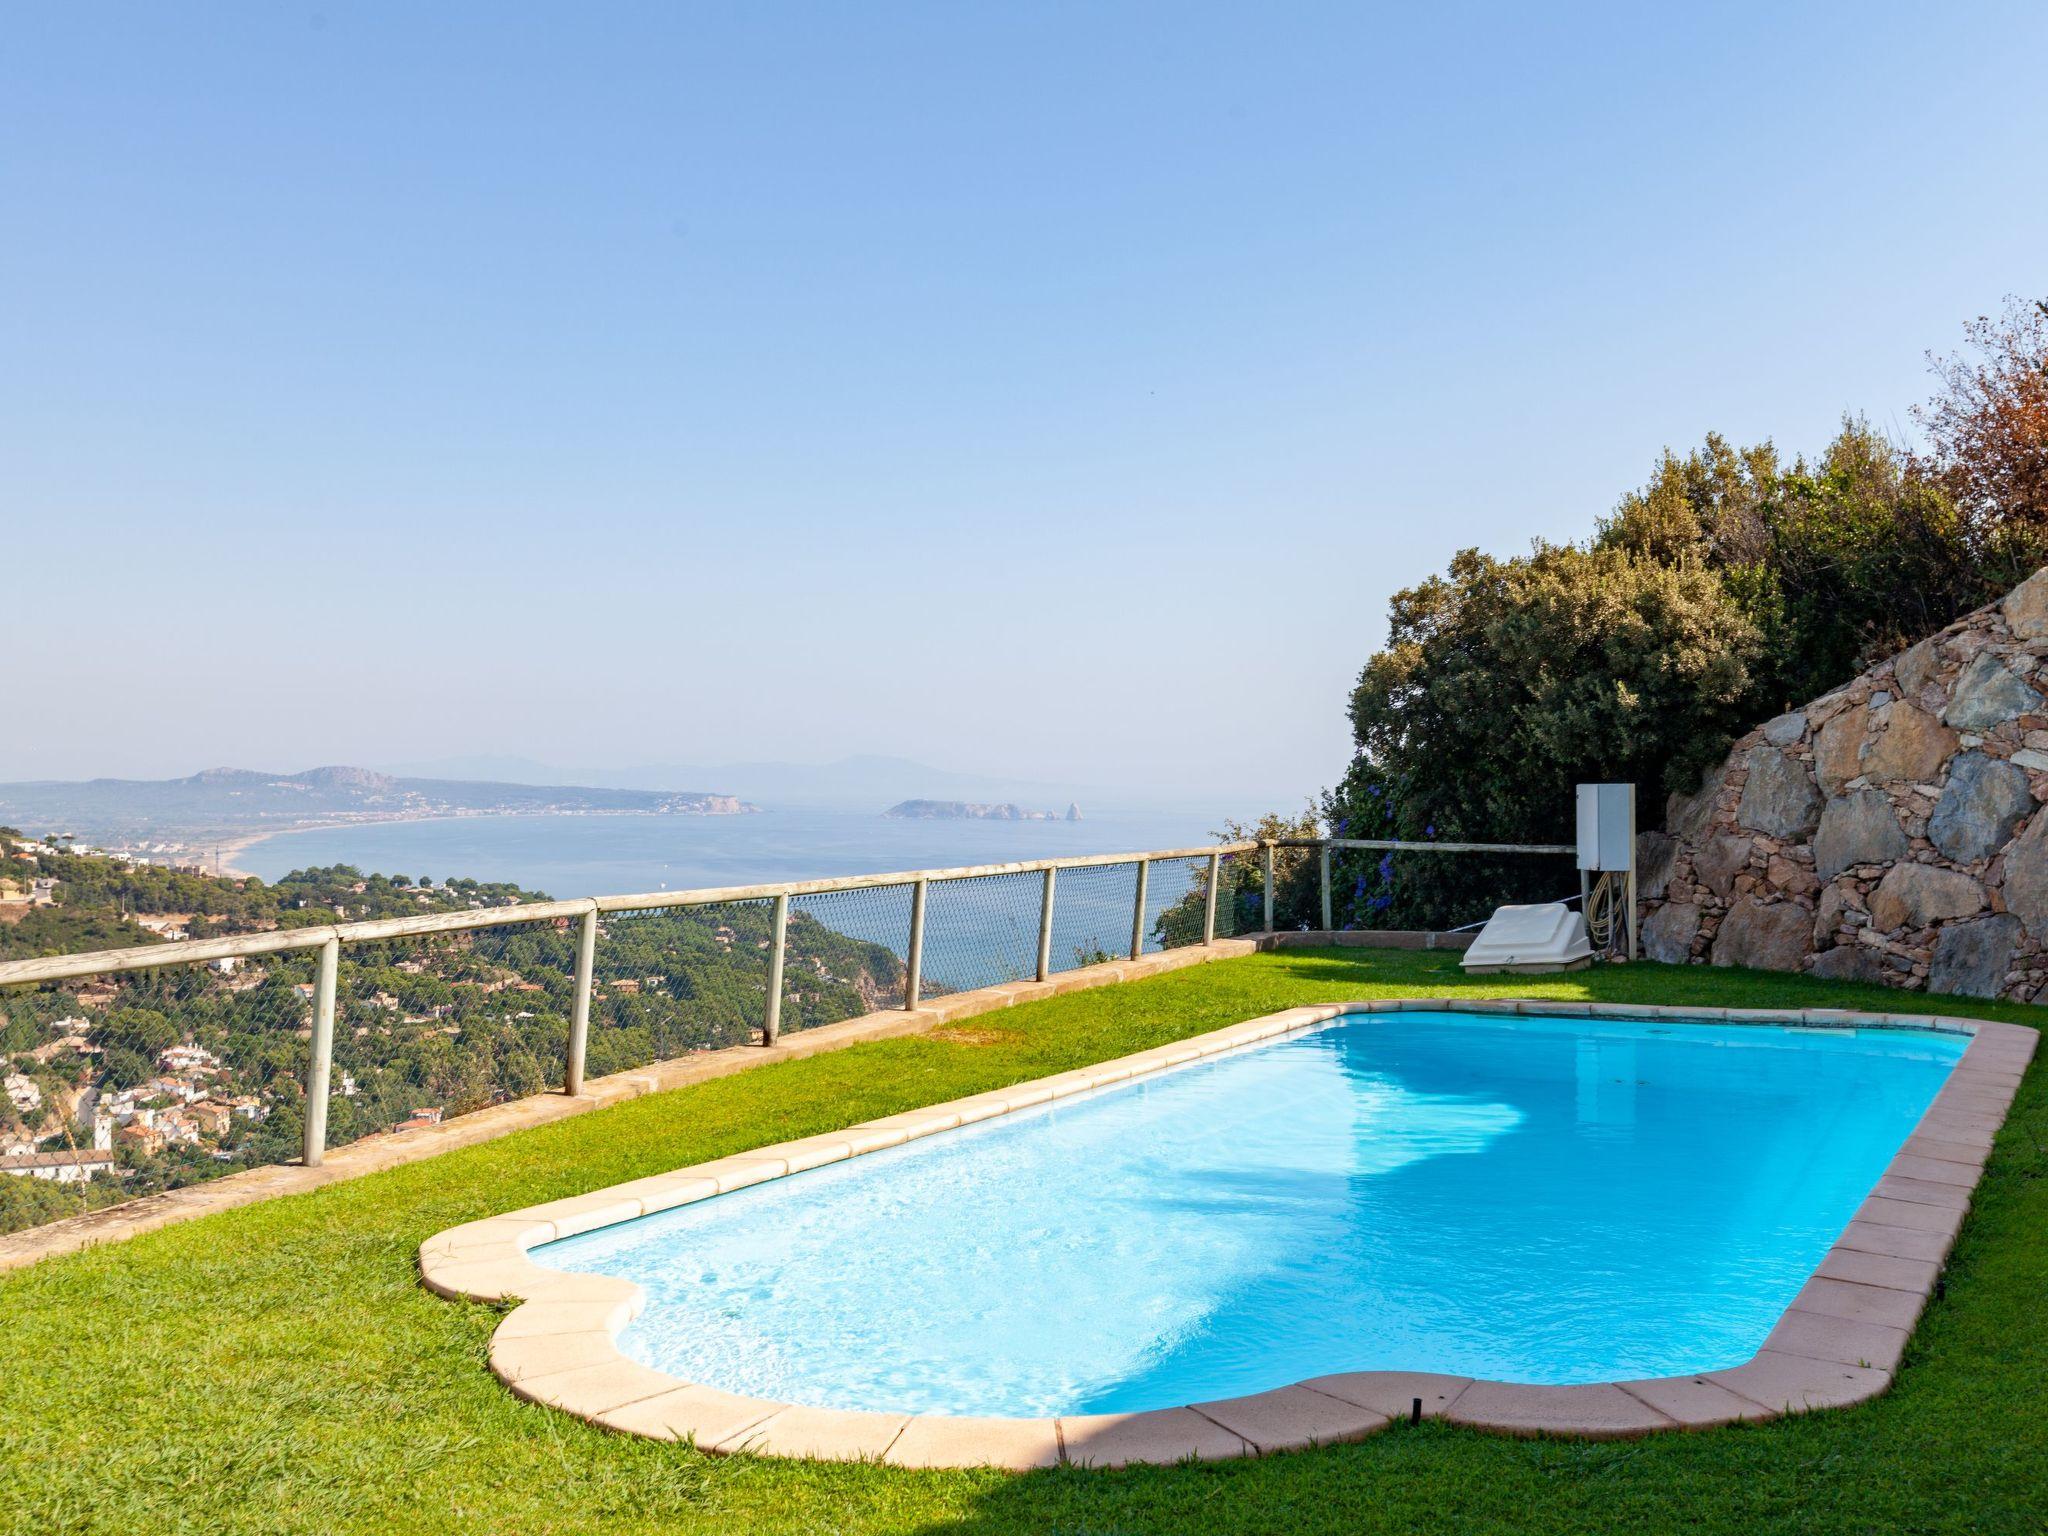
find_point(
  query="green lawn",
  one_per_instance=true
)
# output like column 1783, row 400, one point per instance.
column 278, row 1368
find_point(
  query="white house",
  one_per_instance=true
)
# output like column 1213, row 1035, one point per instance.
column 188, row 1058
column 22, row 1093
column 65, row 1167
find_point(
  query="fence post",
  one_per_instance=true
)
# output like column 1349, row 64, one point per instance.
column 1326, row 887
column 1269, row 887
column 579, row 1017
column 1138, row 911
column 913, row 958
column 321, row 1069
column 1209, row 902
column 771, row 1025
column 1045, row 925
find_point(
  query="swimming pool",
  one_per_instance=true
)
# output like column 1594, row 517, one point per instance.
column 1529, row 1199
column 1534, row 1218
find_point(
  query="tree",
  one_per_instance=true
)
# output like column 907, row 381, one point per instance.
column 1708, row 506
column 1988, row 428
column 143, row 1031
column 1864, row 555
column 1839, row 563
column 123, row 1068
column 1505, row 683
column 1240, row 893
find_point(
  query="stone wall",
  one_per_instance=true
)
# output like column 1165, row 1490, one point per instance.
column 1886, row 832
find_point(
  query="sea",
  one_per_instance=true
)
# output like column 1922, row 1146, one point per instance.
column 976, row 937
column 594, row 855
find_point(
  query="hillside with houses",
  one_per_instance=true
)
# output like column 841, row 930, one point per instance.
column 123, row 1086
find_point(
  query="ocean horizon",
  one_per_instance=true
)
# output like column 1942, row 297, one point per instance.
column 606, row 855
column 991, row 937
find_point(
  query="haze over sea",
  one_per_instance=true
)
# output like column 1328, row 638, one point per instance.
column 568, row 856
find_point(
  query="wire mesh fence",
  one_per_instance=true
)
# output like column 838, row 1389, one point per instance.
column 151, row 1080
column 1092, row 915
column 1237, row 895
column 124, row 1086
column 666, row 981
column 1176, row 903
column 845, row 955
column 429, row 1028
column 981, row 930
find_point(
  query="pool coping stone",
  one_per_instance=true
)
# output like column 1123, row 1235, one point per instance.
column 1838, row 1342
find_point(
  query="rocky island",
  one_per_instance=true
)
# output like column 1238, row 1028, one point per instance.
column 969, row 810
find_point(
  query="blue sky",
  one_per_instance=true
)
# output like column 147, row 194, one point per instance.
column 1052, row 388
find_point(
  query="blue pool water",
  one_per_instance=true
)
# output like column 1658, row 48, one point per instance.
column 1527, row 1199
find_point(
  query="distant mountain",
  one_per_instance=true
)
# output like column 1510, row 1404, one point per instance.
column 235, row 802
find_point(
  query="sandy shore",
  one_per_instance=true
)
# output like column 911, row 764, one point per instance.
column 227, row 850
column 224, row 852
column 224, row 855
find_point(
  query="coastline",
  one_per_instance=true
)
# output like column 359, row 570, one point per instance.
column 223, row 852
column 609, row 855
column 228, row 850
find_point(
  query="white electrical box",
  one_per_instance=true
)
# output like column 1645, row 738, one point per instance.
column 1607, row 826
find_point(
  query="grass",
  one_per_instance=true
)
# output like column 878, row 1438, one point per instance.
column 279, row 1369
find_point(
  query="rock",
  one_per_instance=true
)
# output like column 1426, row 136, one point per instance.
column 1689, row 816
column 1789, row 877
column 2026, row 877
column 1984, row 801
column 2026, row 607
column 1848, row 962
column 1654, row 855
column 1717, row 863
column 1916, row 895
column 1786, row 729
column 1912, row 747
column 1780, row 798
column 1669, row 931
column 1823, row 709
column 1773, row 937
column 1988, row 694
column 1916, row 666
column 1857, row 829
column 1971, row 959
column 1838, row 748
column 2032, row 759
column 1827, row 915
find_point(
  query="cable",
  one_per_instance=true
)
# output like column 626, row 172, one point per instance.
column 1604, row 912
